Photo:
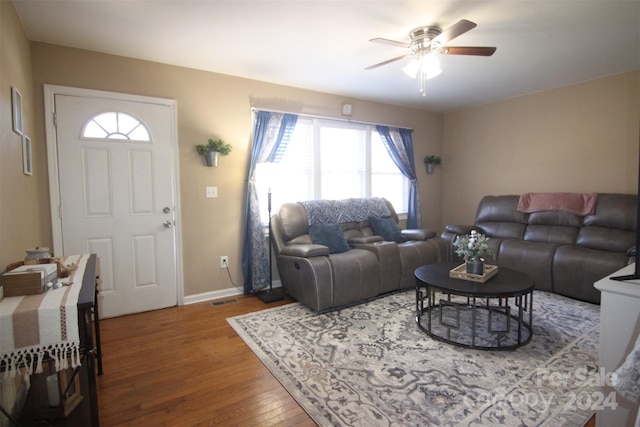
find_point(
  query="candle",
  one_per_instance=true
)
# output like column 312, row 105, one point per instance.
column 52, row 390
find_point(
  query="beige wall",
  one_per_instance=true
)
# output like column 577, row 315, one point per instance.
column 579, row 138
column 23, row 199
column 217, row 105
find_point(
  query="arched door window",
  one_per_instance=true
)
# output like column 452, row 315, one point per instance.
column 116, row 125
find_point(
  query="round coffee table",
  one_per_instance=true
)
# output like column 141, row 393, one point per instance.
column 485, row 316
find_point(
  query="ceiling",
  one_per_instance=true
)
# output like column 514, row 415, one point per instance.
column 323, row 45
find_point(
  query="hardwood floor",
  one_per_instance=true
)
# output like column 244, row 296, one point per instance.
column 185, row 366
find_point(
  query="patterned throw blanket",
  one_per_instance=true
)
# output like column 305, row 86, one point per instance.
column 347, row 210
column 33, row 327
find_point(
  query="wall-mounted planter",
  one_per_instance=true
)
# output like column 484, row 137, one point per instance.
column 430, row 167
column 212, row 151
column 430, row 162
column 211, row 159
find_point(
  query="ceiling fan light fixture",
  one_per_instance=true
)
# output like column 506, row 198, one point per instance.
column 430, row 66
column 427, row 65
column 427, row 41
column 412, row 68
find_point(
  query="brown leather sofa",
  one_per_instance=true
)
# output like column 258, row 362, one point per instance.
column 365, row 267
column 563, row 252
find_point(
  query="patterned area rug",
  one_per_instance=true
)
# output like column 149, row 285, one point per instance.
column 370, row 365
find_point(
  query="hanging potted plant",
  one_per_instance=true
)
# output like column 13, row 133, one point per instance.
column 430, row 162
column 212, row 150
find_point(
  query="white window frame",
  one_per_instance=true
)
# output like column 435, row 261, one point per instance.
column 317, row 124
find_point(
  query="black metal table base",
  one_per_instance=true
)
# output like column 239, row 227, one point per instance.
column 483, row 323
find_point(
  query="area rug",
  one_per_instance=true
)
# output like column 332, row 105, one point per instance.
column 370, row 365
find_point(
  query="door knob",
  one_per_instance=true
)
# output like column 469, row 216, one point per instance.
column 167, row 224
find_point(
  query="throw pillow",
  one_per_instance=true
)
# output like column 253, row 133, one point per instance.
column 329, row 235
column 386, row 228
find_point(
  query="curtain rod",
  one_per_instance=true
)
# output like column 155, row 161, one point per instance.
column 339, row 119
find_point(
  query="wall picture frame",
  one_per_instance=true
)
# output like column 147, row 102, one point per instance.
column 27, row 156
column 16, row 101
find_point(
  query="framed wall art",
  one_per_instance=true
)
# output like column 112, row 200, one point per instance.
column 27, row 158
column 16, row 99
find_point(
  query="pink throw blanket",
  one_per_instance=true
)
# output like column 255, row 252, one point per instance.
column 577, row 203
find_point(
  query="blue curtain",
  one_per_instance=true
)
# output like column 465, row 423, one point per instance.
column 270, row 135
column 399, row 145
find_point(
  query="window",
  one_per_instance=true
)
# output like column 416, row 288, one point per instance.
column 115, row 125
column 328, row 159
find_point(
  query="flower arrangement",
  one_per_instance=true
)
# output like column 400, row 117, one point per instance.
column 472, row 245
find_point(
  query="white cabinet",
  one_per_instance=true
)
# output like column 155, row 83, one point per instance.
column 619, row 329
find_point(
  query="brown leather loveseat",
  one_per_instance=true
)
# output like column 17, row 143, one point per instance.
column 333, row 253
column 564, row 252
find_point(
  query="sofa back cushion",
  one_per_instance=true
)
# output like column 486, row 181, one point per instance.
column 293, row 221
column 553, row 227
column 498, row 217
column 613, row 225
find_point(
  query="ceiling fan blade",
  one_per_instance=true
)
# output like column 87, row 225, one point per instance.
column 457, row 29
column 388, row 61
column 390, row 42
column 473, row 50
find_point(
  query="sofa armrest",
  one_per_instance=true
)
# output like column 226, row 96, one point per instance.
column 460, row 229
column 631, row 255
column 364, row 239
column 418, row 234
column 450, row 233
column 305, row 251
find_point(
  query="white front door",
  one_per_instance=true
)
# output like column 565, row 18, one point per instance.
column 117, row 195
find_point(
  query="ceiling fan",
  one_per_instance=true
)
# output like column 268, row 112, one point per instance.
column 428, row 41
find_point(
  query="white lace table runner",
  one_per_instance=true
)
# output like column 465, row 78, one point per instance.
column 33, row 327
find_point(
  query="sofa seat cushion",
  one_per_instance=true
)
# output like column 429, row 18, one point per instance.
column 387, row 228
column 531, row 258
column 414, row 254
column 388, row 255
column 576, row 269
column 355, row 276
column 329, row 235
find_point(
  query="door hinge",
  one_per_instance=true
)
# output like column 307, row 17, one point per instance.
column 55, row 119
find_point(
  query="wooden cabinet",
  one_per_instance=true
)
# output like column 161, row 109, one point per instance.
column 77, row 387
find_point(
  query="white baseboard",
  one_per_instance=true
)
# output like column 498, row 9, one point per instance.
column 223, row 293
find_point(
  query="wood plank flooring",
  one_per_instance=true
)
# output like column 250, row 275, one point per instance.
column 185, row 366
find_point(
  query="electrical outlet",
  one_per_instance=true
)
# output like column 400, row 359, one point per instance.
column 224, row 262
column 211, row 192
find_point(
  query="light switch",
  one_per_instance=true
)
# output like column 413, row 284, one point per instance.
column 211, row 192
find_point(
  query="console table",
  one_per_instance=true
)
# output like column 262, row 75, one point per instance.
column 89, row 338
column 619, row 329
